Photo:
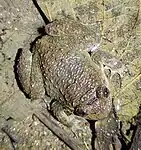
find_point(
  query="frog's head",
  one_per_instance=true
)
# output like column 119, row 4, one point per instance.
column 96, row 107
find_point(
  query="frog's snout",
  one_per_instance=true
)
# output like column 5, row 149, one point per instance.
column 97, row 105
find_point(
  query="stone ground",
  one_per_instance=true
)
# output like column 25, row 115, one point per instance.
column 19, row 21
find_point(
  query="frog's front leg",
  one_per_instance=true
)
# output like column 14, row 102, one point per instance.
column 28, row 74
column 107, row 130
column 111, row 66
column 109, row 61
column 59, row 112
column 67, row 118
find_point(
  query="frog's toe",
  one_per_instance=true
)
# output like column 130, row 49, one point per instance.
column 116, row 80
column 114, row 77
column 78, row 125
column 114, row 66
column 117, row 143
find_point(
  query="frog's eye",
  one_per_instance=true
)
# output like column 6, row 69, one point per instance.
column 106, row 92
column 102, row 91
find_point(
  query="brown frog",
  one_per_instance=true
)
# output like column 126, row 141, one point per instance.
column 60, row 66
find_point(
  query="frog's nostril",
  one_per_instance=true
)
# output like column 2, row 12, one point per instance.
column 92, row 100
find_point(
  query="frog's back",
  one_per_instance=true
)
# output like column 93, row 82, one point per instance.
column 69, row 74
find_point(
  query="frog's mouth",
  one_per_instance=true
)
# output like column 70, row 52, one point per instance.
column 94, row 115
column 97, row 116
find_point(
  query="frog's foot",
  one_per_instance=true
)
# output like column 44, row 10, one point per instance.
column 112, row 72
column 102, row 144
column 111, row 66
column 73, row 122
column 78, row 125
column 116, row 143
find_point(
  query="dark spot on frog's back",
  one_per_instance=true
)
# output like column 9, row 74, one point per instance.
column 102, row 91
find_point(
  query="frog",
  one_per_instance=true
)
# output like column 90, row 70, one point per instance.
column 59, row 66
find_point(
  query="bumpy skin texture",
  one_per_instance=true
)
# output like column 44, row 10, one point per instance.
column 62, row 66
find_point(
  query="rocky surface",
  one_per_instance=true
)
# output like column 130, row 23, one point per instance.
column 118, row 28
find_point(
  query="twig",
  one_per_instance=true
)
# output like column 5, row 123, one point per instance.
column 50, row 123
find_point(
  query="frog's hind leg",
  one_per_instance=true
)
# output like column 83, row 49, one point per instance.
column 36, row 85
column 107, row 133
column 22, row 69
column 28, row 74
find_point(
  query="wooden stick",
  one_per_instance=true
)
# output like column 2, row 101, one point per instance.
column 50, row 123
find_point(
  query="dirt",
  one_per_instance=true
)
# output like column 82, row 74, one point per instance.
column 119, row 24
